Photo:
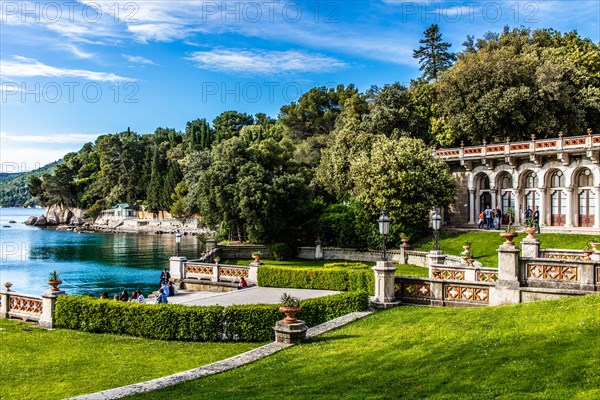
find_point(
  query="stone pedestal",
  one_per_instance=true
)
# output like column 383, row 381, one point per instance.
column 403, row 255
column 318, row 251
column 436, row 257
column 531, row 248
column 507, row 290
column 385, row 295
column 4, row 306
column 48, row 304
column 253, row 275
column 177, row 267
column 290, row 333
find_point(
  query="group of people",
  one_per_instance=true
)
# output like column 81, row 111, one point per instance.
column 490, row 218
column 166, row 287
column 136, row 296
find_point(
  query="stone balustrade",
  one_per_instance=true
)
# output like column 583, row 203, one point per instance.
column 181, row 269
column 28, row 307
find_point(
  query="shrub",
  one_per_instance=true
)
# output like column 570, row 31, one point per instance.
column 250, row 322
column 340, row 279
column 344, row 264
column 281, row 252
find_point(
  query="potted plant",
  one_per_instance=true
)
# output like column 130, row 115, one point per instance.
column 256, row 255
column 290, row 306
column 587, row 252
column 7, row 285
column 467, row 246
column 467, row 256
column 54, row 280
column 509, row 234
column 530, row 228
column 217, row 259
column 404, row 238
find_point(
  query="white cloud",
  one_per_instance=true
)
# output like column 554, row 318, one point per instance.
column 65, row 138
column 23, row 67
column 264, row 62
column 138, row 60
column 77, row 52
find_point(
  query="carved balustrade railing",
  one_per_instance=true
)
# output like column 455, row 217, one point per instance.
column 535, row 146
column 442, row 292
column 561, row 273
column 223, row 272
column 26, row 307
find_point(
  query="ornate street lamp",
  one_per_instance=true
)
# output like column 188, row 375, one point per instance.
column 177, row 240
column 384, row 230
column 436, row 224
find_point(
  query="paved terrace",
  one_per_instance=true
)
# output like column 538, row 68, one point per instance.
column 251, row 295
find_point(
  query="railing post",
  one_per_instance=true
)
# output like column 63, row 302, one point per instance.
column 436, row 257
column 385, row 296
column 48, row 304
column 531, row 247
column 403, row 255
column 177, row 267
column 508, row 286
column 215, row 275
column 253, row 275
column 5, row 298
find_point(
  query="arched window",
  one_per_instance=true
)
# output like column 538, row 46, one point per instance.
column 484, row 182
column 557, row 179
column 585, row 178
column 505, row 182
column 531, row 181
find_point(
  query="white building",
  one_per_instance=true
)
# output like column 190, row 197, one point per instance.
column 561, row 176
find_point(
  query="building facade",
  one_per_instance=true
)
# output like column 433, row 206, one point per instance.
column 561, row 176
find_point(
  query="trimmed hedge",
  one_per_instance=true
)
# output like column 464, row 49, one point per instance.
column 341, row 279
column 249, row 322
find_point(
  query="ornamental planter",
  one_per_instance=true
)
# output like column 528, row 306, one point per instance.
column 466, row 247
column 7, row 285
column 587, row 254
column 508, row 237
column 290, row 313
column 54, row 285
column 531, row 232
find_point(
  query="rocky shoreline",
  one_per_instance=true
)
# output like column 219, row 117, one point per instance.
column 71, row 220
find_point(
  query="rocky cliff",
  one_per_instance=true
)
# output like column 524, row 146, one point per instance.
column 58, row 214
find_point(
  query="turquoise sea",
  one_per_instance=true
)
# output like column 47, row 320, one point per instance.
column 87, row 262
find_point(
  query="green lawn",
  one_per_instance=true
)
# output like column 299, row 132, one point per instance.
column 41, row 364
column 403, row 269
column 485, row 244
column 544, row 350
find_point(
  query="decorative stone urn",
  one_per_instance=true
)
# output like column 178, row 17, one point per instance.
column 54, row 285
column 587, row 253
column 508, row 237
column 290, row 314
column 7, row 285
column 531, row 232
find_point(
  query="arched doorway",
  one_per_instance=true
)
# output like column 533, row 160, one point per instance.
column 485, row 197
column 558, row 199
column 586, row 198
column 507, row 196
column 532, row 196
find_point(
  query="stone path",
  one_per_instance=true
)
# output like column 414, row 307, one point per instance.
column 216, row 367
column 251, row 295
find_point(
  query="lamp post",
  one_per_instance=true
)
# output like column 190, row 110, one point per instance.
column 384, row 230
column 177, row 240
column 436, row 224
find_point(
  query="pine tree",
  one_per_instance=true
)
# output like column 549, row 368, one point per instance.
column 433, row 56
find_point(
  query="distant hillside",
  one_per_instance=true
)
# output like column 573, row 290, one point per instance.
column 13, row 187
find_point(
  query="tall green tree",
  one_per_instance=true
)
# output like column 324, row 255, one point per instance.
column 433, row 55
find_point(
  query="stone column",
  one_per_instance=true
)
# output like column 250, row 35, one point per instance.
column 177, row 267
column 215, row 275
column 543, row 212
column 518, row 201
column 597, row 216
column 569, row 215
column 531, row 248
column 385, row 296
column 5, row 298
column 494, row 194
column 472, row 216
column 48, row 303
column 508, row 285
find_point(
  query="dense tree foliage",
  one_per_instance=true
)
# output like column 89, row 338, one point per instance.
column 332, row 159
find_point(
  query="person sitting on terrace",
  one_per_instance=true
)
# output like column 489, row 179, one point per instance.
column 104, row 295
column 243, row 284
column 162, row 297
column 124, row 296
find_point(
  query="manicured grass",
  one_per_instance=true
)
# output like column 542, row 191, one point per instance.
column 544, row 350
column 403, row 269
column 485, row 244
column 41, row 364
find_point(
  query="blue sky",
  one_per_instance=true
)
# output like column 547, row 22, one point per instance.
column 71, row 71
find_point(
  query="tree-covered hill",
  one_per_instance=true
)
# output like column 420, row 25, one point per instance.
column 14, row 191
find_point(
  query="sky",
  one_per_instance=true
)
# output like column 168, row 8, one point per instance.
column 73, row 70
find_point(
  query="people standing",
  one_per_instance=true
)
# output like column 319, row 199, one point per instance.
column 536, row 219
column 165, row 276
column 481, row 220
column 488, row 217
column 498, row 218
column 528, row 214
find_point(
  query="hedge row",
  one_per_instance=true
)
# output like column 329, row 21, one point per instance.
column 250, row 322
column 342, row 279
